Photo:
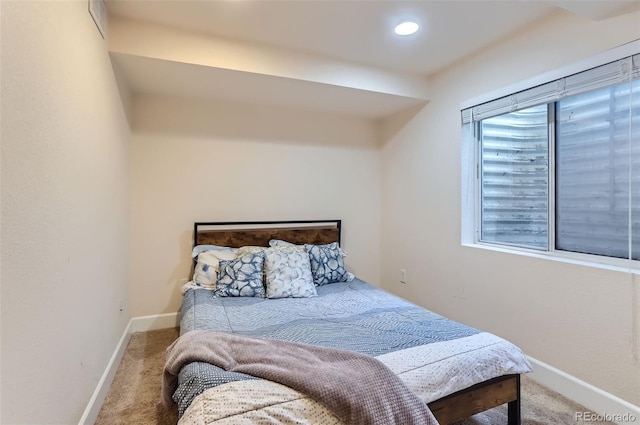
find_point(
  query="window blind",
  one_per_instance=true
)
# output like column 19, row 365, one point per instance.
column 616, row 72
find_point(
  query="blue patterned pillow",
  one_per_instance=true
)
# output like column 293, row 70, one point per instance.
column 241, row 277
column 288, row 273
column 327, row 265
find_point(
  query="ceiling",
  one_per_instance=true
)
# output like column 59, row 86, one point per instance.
column 355, row 31
column 358, row 31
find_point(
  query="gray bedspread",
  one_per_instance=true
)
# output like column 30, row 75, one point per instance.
column 351, row 315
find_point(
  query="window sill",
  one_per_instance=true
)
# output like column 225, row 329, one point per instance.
column 614, row 264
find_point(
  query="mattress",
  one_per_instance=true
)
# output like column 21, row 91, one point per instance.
column 433, row 355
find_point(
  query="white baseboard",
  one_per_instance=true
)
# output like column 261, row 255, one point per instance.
column 136, row 324
column 156, row 321
column 95, row 403
column 608, row 406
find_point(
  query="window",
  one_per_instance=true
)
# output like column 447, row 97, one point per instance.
column 597, row 164
column 514, row 162
column 557, row 166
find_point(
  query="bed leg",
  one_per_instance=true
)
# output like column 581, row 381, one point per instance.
column 513, row 407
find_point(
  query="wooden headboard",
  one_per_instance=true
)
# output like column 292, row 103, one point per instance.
column 259, row 233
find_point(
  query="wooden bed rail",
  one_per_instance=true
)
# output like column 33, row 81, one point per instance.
column 478, row 398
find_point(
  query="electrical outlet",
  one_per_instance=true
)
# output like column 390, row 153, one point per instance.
column 403, row 276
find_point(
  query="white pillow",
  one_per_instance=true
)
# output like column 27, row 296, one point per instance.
column 280, row 242
column 205, row 273
column 202, row 248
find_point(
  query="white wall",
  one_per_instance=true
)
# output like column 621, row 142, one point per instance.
column 204, row 161
column 64, row 211
column 576, row 318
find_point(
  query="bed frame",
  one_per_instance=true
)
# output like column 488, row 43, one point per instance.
column 449, row 409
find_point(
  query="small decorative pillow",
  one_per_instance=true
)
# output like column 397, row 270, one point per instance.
column 289, row 273
column 327, row 264
column 241, row 277
column 205, row 274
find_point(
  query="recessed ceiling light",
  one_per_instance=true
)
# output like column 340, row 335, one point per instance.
column 407, row 28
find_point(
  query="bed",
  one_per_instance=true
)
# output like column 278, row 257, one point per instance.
column 455, row 369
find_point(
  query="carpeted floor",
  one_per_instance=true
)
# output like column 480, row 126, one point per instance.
column 135, row 393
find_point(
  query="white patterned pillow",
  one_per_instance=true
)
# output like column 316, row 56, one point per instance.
column 327, row 264
column 280, row 242
column 288, row 271
column 241, row 277
column 205, row 273
column 250, row 249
